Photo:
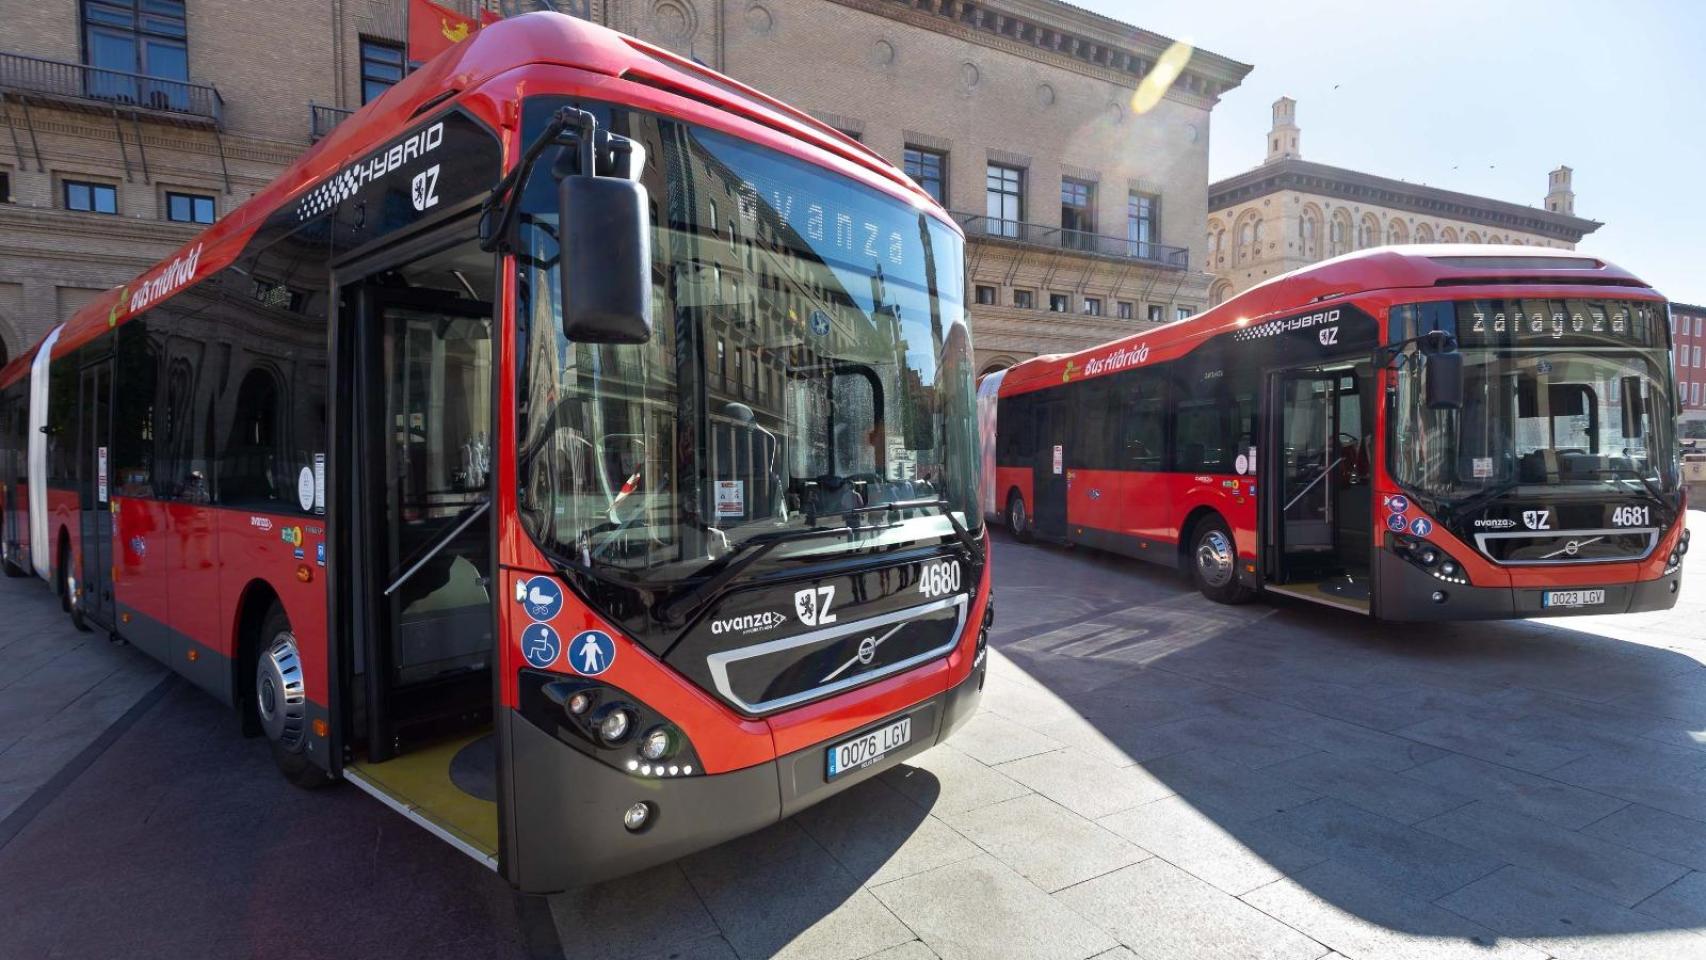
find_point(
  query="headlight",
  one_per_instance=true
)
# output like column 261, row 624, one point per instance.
column 614, row 726
column 655, row 745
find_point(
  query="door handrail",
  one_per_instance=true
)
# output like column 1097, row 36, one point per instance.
column 443, row 542
column 1311, row 485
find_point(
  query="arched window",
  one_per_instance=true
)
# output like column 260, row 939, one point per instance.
column 1309, row 232
column 1472, row 237
column 1368, row 232
column 1448, row 235
column 1397, row 232
column 1219, row 292
column 1424, row 233
column 1340, row 238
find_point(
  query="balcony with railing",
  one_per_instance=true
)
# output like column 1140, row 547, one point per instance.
column 981, row 226
column 322, row 118
column 79, row 85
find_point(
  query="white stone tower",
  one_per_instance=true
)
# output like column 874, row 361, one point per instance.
column 1559, row 197
column 1284, row 137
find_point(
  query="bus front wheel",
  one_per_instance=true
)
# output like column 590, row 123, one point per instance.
column 1018, row 521
column 1214, row 563
column 281, row 702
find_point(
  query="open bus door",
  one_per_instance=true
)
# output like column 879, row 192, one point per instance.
column 94, row 600
column 1048, row 476
column 418, row 672
column 1317, row 538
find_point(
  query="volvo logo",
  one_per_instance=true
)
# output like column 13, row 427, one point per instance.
column 867, row 650
column 1571, row 548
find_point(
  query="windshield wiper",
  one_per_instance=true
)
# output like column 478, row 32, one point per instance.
column 678, row 608
column 960, row 531
column 1479, row 500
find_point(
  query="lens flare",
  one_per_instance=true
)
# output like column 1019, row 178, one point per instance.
column 1159, row 79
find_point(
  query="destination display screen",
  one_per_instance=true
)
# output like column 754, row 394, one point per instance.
column 1539, row 322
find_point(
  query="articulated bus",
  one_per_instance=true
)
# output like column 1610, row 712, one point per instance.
column 575, row 450
column 1414, row 433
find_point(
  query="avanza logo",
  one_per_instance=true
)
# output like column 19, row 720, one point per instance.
column 749, row 623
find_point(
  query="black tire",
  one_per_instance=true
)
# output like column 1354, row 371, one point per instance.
column 67, row 594
column 278, row 702
column 1213, row 562
column 1018, row 519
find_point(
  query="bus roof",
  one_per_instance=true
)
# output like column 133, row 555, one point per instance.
column 1382, row 268
column 531, row 39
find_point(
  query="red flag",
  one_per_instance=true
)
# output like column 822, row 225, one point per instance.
column 434, row 29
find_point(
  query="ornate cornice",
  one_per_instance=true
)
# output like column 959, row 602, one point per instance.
column 1064, row 36
column 1320, row 179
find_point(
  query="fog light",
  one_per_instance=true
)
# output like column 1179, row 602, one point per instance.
column 614, row 727
column 656, row 744
column 1439, row 596
column 637, row 816
column 1448, row 568
column 1429, row 557
column 579, row 703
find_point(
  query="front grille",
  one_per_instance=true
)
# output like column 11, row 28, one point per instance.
column 1618, row 545
column 782, row 673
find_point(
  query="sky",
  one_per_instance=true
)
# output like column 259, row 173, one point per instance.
column 1484, row 97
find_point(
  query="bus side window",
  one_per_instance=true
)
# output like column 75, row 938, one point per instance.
column 137, row 365
column 1143, row 424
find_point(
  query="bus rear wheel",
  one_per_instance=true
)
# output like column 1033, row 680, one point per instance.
column 68, row 589
column 281, row 701
column 1214, row 562
column 1018, row 521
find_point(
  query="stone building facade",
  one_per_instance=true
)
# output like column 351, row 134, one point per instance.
column 104, row 170
column 1083, row 213
column 1290, row 212
column 1094, row 225
column 1688, row 345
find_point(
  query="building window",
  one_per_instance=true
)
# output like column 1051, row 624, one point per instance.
column 1004, row 196
column 91, row 197
column 1059, row 303
column 5, row 187
column 189, row 208
column 1142, row 223
column 1125, row 310
column 381, row 68
column 1155, row 314
column 1183, row 312
column 1077, row 213
column 1025, row 299
column 986, row 295
column 132, row 37
column 1092, row 306
column 929, row 169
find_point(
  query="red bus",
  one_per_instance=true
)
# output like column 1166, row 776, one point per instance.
column 575, row 450
column 1414, row 433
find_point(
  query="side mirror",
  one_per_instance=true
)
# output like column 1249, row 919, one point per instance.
column 606, row 272
column 1632, row 406
column 1444, row 387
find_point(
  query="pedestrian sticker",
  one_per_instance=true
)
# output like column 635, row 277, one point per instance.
column 540, row 645
column 541, row 597
column 1397, row 503
column 320, row 554
column 1421, row 526
column 1395, row 523
column 591, row 652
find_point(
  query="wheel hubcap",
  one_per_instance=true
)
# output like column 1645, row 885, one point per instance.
column 1214, row 558
column 280, row 700
column 1016, row 516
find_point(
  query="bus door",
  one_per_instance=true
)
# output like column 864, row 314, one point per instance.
column 1320, row 511
column 421, row 434
column 1049, row 475
column 94, row 444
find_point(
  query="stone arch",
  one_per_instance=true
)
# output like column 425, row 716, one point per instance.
column 1246, row 237
column 1309, row 232
column 1216, row 242
column 1472, row 237
column 1495, row 238
column 1424, row 233
column 1397, row 232
column 674, row 24
column 1448, row 235
column 1339, row 232
column 11, row 339
column 995, row 365
column 1368, row 232
column 1219, row 291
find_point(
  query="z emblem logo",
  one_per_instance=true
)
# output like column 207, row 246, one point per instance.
column 1537, row 519
column 1329, row 336
column 812, row 605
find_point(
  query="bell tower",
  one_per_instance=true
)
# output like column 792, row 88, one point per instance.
column 1559, row 197
column 1284, row 137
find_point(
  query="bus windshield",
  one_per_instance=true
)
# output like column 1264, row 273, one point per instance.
column 1560, row 396
column 809, row 369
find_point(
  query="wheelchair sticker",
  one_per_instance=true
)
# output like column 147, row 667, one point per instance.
column 540, row 645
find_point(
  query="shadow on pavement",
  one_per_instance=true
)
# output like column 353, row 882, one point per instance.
column 1476, row 782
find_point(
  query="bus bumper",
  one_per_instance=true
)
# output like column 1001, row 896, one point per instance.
column 567, row 828
column 1407, row 593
